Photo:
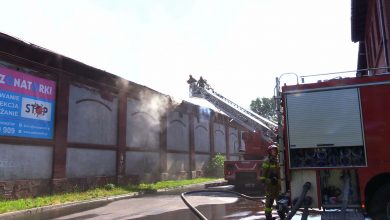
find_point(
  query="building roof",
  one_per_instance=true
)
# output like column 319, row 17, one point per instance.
column 19, row 48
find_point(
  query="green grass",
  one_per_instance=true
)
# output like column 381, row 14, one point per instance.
column 166, row 184
column 108, row 190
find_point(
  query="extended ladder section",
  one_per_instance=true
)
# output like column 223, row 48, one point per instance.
column 244, row 117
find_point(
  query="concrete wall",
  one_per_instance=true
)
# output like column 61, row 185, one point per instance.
column 25, row 162
column 106, row 129
column 201, row 161
column 92, row 118
column 143, row 127
column 178, row 131
column 202, row 135
column 233, row 140
column 234, row 158
column 219, row 138
column 178, row 165
column 90, row 163
column 140, row 163
column 152, row 148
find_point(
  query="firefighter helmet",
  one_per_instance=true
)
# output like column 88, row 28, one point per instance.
column 272, row 146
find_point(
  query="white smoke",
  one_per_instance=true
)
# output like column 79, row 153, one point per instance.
column 204, row 113
column 153, row 104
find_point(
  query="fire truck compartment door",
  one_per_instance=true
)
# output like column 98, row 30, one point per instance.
column 328, row 118
column 298, row 179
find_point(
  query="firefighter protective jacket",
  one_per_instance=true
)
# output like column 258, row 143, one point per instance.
column 270, row 170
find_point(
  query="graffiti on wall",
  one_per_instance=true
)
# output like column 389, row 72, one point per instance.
column 26, row 105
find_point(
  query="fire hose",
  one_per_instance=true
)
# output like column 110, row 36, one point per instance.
column 199, row 214
column 300, row 200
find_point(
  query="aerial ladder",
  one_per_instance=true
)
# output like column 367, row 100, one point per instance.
column 261, row 133
column 246, row 118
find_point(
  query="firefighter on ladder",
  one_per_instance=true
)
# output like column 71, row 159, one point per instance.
column 270, row 178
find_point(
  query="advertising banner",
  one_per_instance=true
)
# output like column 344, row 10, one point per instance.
column 26, row 105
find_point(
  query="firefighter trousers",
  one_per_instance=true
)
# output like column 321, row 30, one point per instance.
column 272, row 193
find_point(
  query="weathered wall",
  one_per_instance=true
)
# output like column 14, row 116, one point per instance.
column 106, row 130
column 202, row 134
column 143, row 126
column 25, row 170
column 24, row 188
column 25, row 162
column 201, row 161
column 90, row 162
column 178, row 165
column 234, row 158
column 143, row 163
column 220, row 138
column 92, row 118
column 178, row 131
column 234, row 146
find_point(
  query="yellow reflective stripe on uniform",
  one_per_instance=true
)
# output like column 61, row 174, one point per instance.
column 263, row 178
column 267, row 209
column 265, row 165
column 272, row 166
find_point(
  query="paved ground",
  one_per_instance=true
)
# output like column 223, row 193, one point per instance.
column 50, row 212
column 163, row 205
column 149, row 207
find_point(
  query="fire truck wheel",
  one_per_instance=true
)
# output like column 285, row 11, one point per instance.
column 380, row 203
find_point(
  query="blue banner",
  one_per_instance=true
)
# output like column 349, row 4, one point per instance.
column 26, row 105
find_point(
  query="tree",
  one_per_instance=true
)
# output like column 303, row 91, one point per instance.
column 264, row 107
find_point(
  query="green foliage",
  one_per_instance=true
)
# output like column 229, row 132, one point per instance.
column 215, row 166
column 109, row 186
column 264, row 107
column 153, row 187
column 28, row 203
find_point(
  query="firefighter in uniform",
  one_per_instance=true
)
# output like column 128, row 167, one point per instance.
column 270, row 178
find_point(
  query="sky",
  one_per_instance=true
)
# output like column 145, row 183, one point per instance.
column 238, row 46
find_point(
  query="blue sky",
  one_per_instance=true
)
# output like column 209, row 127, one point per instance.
column 239, row 46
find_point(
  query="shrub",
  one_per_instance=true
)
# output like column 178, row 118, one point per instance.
column 215, row 166
column 109, row 186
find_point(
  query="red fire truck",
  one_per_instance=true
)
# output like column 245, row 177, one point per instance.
column 255, row 140
column 246, row 172
column 335, row 134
